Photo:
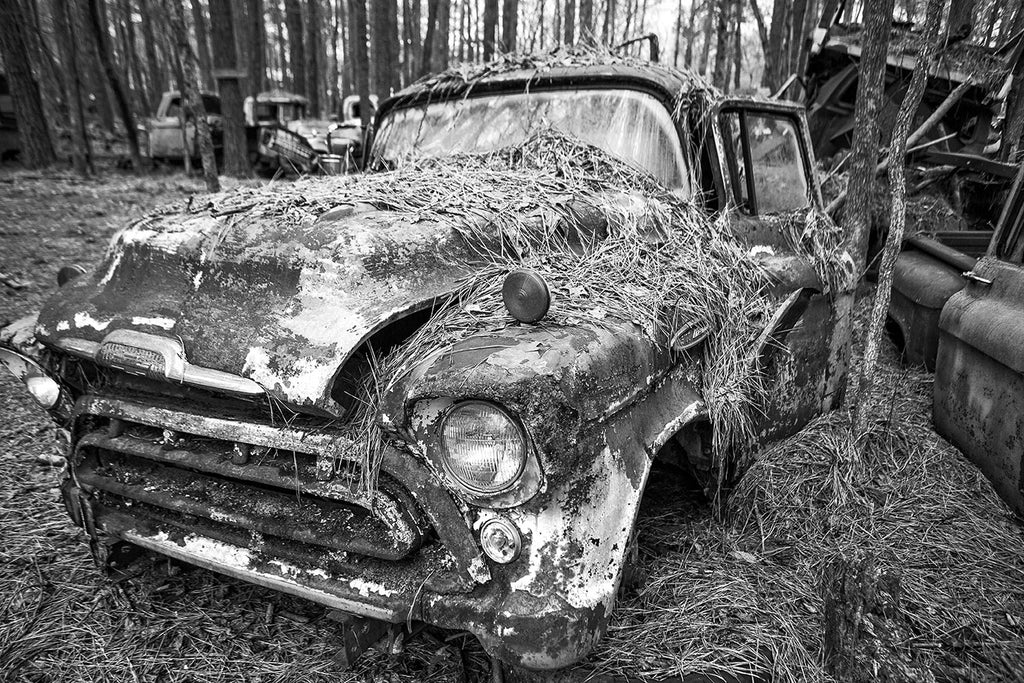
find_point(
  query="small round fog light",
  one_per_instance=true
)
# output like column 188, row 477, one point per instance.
column 526, row 295
column 500, row 540
column 44, row 390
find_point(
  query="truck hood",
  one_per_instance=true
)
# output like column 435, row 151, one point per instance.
column 284, row 306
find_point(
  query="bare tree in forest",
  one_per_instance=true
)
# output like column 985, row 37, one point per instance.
column 569, row 22
column 490, row 28
column 228, row 73
column 99, row 28
column 258, row 42
column 81, row 153
column 203, row 42
column 510, row 24
column 384, row 46
column 359, row 58
column 313, row 51
column 721, row 72
column 296, row 45
column 36, row 143
column 898, row 189
column 156, row 77
column 191, row 91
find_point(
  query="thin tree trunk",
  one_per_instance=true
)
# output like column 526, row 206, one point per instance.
column 709, row 25
column 156, row 80
column 490, row 28
column 738, row 45
column 92, row 72
column 312, row 52
column 257, row 42
column 282, row 48
column 586, row 33
column 773, row 61
column 99, row 28
column 426, row 63
column 796, row 39
column 898, row 189
column 608, row 31
column 296, row 47
column 225, row 64
column 360, row 65
column 721, row 75
column 510, row 24
column 762, row 30
column 190, row 91
column 691, row 36
column 569, row 22
column 81, row 153
column 203, row 42
column 441, row 42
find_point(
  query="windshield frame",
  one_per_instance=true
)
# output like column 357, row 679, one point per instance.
column 537, row 85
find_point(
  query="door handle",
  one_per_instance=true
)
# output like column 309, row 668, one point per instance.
column 971, row 275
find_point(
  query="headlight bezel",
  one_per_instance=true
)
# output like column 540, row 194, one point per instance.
column 424, row 438
column 446, row 457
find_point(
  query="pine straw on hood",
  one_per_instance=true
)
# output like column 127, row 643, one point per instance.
column 744, row 595
column 615, row 246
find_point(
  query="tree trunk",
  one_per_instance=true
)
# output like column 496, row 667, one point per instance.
column 426, row 62
column 229, row 75
column 737, row 45
column 721, row 77
column 358, row 50
column 709, row 25
column 313, row 51
column 131, row 58
column 490, row 28
column 156, row 80
column 440, row 44
column 257, row 42
column 296, row 48
column 569, row 22
column 412, row 39
column 586, row 33
column 762, row 31
column 510, row 23
column 190, row 91
column 99, row 28
column 608, row 30
column 81, row 154
column 691, row 36
column 773, row 60
column 796, row 39
column 282, row 51
column 203, row 42
column 384, row 46
column 898, row 213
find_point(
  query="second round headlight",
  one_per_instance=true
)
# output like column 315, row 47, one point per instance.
column 484, row 448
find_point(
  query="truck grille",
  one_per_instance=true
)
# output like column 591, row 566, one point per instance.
column 260, row 479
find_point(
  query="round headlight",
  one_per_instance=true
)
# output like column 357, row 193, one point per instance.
column 484, row 448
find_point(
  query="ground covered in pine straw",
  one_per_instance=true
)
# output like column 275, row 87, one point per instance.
column 743, row 595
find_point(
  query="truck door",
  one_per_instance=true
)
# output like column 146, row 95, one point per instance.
column 978, row 401
column 772, row 193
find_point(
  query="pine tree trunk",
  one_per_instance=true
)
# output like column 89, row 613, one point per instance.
column 737, row 55
column 203, row 42
column 691, row 36
column 296, row 47
column 156, row 79
column 99, row 28
column 441, row 42
column 229, row 76
column 608, row 29
column 313, row 51
column 773, row 57
column 569, row 22
column 721, row 75
column 587, row 22
column 510, row 23
column 426, row 62
column 898, row 189
column 190, row 87
column 709, row 25
column 762, row 30
column 81, row 153
column 359, row 58
column 257, row 42
column 490, row 28
column 282, row 53
column 384, row 44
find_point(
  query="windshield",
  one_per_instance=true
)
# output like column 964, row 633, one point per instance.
column 631, row 125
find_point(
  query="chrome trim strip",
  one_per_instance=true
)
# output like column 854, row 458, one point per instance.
column 176, row 367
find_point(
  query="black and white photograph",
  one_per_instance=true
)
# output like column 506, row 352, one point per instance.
column 510, row 341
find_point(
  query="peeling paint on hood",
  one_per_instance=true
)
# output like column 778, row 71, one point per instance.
column 282, row 305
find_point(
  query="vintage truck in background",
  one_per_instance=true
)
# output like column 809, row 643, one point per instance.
column 164, row 139
column 167, row 364
column 958, row 309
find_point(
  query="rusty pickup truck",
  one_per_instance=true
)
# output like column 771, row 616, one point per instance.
column 196, row 370
column 958, row 309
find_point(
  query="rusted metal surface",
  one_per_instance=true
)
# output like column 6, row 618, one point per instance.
column 979, row 377
column 175, row 465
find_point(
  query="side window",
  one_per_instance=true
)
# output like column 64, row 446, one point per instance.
column 765, row 161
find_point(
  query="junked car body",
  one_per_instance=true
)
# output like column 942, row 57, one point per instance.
column 165, row 139
column 514, row 459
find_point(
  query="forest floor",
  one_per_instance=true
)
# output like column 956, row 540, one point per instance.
column 730, row 596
